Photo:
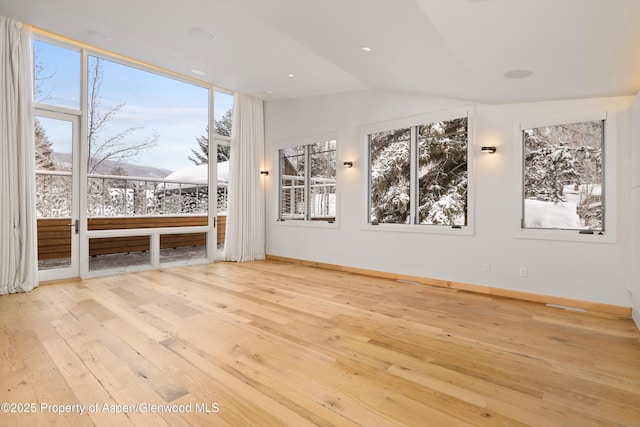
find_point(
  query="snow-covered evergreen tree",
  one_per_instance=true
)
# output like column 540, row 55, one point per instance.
column 202, row 156
column 44, row 148
column 323, row 159
column 442, row 172
column 223, row 128
column 390, row 154
column 549, row 166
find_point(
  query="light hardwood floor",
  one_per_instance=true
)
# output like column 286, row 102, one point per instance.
column 270, row 344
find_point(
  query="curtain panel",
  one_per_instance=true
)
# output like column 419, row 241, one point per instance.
column 18, row 238
column 245, row 227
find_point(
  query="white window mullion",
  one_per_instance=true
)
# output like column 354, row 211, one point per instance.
column 212, row 188
column 603, row 186
column 83, row 151
column 307, row 182
column 413, row 190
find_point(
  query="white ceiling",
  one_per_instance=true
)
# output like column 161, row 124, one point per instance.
column 453, row 48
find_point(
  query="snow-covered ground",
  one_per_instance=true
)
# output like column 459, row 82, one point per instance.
column 539, row 214
column 562, row 215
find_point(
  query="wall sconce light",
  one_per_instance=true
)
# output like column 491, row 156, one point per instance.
column 264, row 172
column 348, row 164
column 488, row 149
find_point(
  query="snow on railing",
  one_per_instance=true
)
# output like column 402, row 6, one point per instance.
column 112, row 195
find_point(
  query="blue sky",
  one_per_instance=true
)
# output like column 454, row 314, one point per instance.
column 176, row 110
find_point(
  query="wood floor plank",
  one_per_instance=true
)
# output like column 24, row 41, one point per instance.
column 271, row 344
column 39, row 383
column 86, row 387
column 123, row 384
column 240, row 403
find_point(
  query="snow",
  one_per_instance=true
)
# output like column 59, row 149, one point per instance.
column 561, row 215
column 198, row 174
column 539, row 214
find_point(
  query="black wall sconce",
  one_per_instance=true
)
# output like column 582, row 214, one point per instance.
column 264, row 172
column 348, row 164
column 488, row 149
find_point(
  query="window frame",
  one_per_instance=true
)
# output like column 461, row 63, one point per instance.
column 306, row 221
column 414, row 122
column 609, row 191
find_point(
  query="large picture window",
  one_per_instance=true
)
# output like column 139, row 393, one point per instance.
column 564, row 176
column 419, row 174
column 139, row 123
column 308, row 182
column 122, row 155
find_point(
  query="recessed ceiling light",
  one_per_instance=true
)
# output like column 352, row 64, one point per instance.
column 291, row 75
column 201, row 34
column 366, row 49
column 98, row 34
column 518, row 74
column 198, row 72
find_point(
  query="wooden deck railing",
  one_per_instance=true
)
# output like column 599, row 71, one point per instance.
column 54, row 234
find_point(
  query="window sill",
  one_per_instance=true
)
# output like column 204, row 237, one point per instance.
column 421, row 229
column 565, row 236
column 306, row 223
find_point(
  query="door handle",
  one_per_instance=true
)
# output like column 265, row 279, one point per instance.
column 76, row 224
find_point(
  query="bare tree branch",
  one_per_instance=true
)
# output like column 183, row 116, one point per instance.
column 118, row 147
column 39, row 77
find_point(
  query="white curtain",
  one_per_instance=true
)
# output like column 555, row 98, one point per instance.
column 18, row 244
column 244, row 240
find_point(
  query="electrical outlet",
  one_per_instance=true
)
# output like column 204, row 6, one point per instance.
column 486, row 267
column 524, row 272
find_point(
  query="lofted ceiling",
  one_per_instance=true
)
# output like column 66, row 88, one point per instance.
column 455, row 48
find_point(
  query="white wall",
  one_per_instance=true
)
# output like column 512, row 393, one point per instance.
column 598, row 272
column 634, row 193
